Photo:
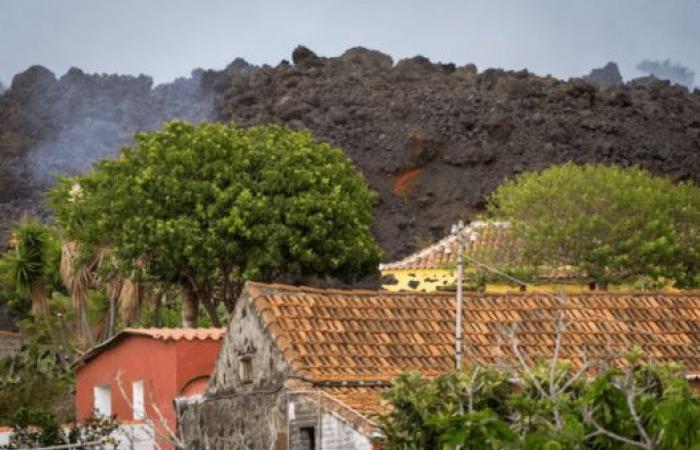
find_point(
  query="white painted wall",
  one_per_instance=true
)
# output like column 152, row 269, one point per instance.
column 130, row 437
column 4, row 437
column 338, row 435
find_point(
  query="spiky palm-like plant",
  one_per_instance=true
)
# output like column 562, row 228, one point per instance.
column 80, row 274
column 31, row 264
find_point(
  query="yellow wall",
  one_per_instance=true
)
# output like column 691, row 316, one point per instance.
column 428, row 280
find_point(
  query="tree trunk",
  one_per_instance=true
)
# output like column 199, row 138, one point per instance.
column 157, row 320
column 39, row 300
column 112, row 317
column 84, row 326
column 190, row 308
column 211, row 311
column 234, row 291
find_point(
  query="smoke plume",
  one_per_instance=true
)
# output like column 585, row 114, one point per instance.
column 667, row 70
column 83, row 118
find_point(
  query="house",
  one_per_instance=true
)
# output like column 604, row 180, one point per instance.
column 304, row 368
column 139, row 372
column 10, row 343
column 492, row 244
column 433, row 267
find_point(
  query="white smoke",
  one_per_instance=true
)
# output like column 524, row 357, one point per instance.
column 666, row 70
column 95, row 115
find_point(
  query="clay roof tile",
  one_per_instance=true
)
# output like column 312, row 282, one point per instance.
column 366, row 336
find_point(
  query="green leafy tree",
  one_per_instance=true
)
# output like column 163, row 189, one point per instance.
column 641, row 406
column 613, row 223
column 460, row 408
column 208, row 207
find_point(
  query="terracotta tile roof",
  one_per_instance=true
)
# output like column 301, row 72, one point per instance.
column 355, row 337
column 177, row 334
column 364, row 400
column 489, row 242
column 164, row 334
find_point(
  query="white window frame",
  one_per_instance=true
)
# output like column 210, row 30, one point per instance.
column 102, row 400
column 138, row 400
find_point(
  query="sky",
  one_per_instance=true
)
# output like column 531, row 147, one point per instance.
column 168, row 38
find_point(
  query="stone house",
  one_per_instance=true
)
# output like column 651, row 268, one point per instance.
column 304, row 368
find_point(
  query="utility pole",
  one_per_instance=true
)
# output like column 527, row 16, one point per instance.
column 457, row 232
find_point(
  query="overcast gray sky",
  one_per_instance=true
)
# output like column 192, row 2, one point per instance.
column 168, row 38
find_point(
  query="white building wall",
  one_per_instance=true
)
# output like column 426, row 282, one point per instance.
column 137, row 436
column 5, row 436
column 338, row 435
column 129, row 436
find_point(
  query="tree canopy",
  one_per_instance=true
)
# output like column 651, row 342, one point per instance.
column 208, row 207
column 615, row 224
column 641, row 406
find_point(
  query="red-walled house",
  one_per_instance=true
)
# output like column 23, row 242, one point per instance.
column 156, row 365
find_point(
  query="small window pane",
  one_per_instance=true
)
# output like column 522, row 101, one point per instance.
column 138, row 401
column 245, row 369
column 103, row 400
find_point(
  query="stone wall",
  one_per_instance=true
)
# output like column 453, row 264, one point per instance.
column 234, row 412
column 259, row 413
column 279, row 421
column 253, row 421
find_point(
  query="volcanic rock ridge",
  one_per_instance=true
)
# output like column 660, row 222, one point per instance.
column 433, row 139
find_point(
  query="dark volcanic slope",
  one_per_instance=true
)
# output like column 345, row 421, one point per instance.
column 51, row 126
column 433, row 139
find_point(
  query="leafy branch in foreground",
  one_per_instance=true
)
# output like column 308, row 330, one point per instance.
column 549, row 404
column 38, row 429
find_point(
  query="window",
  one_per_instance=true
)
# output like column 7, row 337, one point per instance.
column 245, row 369
column 137, row 400
column 307, row 436
column 103, row 400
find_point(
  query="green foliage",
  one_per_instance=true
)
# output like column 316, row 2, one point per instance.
column 211, row 206
column 37, row 428
column 615, row 224
column 36, row 255
column 29, row 271
column 481, row 409
column 39, row 376
column 427, row 414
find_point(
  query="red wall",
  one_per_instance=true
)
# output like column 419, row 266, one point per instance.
column 165, row 367
column 195, row 359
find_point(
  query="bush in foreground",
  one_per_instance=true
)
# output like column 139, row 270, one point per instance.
column 641, row 406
